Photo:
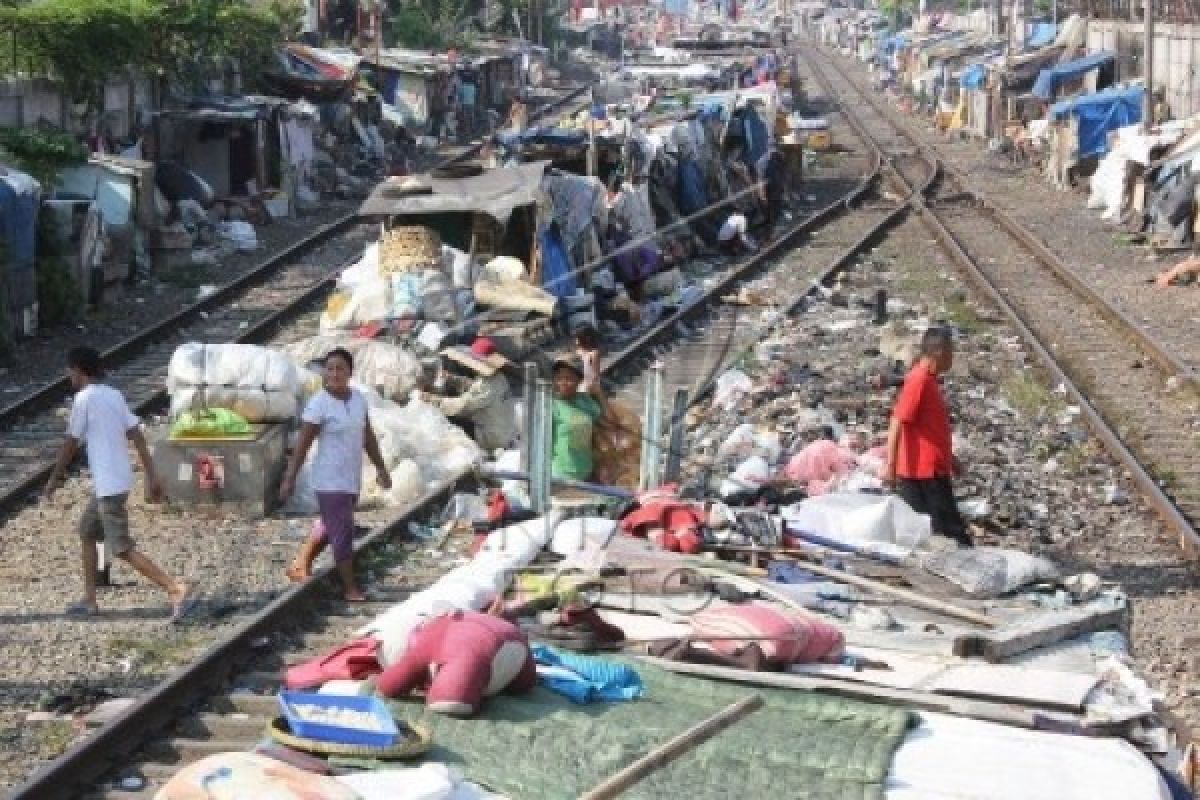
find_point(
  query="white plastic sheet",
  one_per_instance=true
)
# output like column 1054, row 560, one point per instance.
column 731, row 387
column 951, row 758
column 883, row 523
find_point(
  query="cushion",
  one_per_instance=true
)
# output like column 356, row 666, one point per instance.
column 788, row 637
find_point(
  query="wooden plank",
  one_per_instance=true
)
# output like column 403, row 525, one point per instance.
column 1038, row 687
column 1002, row 713
column 1038, row 630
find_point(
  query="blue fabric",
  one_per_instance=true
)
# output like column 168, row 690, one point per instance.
column 552, row 136
column 20, row 196
column 1050, row 78
column 755, row 132
column 692, row 197
column 557, row 276
column 1099, row 114
column 1042, row 34
column 597, row 679
column 973, row 77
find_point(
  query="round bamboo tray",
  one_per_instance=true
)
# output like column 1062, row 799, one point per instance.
column 416, row 743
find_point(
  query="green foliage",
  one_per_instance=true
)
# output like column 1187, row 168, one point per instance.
column 59, row 298
column 412, row 26
column 85, row 42
column 42, row 154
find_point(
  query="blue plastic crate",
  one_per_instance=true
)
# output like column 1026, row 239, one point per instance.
column 337, row 733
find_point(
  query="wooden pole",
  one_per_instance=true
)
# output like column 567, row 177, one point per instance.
column 666, row 753
column 911, row 598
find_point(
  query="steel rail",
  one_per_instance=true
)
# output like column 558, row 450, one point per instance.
column 1189, row 539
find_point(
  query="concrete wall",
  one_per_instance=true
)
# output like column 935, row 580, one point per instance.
column 27, row 101
column 1176, row 58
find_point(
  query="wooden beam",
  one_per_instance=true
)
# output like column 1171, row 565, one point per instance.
column 1039, row 630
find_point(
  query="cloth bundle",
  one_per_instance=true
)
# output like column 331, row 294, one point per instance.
column 787, row 637
column 258, row 384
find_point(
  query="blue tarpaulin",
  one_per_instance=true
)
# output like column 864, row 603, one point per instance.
column 1099, row 114
column 1042, row 34
column 973, row 77
column 1049, row 79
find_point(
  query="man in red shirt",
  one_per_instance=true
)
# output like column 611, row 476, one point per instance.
column 921, row 458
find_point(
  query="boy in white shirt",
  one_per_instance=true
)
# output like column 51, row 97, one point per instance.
column 101, row 420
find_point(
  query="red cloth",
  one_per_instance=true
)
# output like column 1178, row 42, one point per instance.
column 925, row 449
column 353, row 661
column 669, row 522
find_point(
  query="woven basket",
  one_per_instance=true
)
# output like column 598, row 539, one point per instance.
column 409, row 248
column 416, row 743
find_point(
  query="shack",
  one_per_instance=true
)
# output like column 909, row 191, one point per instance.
column 488, row 213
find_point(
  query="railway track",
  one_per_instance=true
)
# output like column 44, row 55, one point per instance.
column 1136, row 395
column 250, row 309
column 223, row 700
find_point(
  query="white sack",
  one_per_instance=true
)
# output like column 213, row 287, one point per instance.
column 574, row 535
column 367, row 301
column 883, row 523
column 990, row 571
column 471, row 587
column 748, row 477
column 386, row 368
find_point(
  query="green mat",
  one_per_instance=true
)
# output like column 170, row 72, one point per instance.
column 800, row 745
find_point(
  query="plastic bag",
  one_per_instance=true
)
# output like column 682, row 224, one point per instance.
column 617, row 447
column 239, row 233
column 367, row 301
column 732, row 386
column 871, row 522
column 990, row 571
column 407, row 486
column 739, row 444
column 214, row 422
column 459, row 265
column 819, row 464
column 748, row 477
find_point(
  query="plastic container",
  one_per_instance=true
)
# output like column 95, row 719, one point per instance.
column 337, row 733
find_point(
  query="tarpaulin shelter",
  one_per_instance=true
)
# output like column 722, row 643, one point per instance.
column 1099, row 114
column 1051, row 79
column 20, row 198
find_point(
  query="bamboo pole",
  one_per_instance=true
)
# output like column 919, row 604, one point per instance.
column 666, row 753
column 911, row 598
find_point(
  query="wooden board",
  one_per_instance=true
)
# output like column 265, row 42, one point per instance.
column 1038, row 687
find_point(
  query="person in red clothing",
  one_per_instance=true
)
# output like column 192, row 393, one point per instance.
column 921, row 462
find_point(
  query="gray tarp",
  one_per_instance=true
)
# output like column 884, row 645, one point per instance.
column 495, row 192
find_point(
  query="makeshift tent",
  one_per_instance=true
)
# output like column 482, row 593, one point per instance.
column 1099, row 114
column 20, row 198
column 1051, row 78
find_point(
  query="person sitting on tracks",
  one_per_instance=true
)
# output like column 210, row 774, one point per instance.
column 101, row 420
column 573, row 415
column 473, row 392
column 336, row 419
column 732, row 237
column 920, row 457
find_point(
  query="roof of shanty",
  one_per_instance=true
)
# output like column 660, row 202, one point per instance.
column 496, row 192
